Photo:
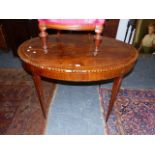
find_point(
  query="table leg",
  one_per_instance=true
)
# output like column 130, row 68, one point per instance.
column 37, row 82
column 114, row 92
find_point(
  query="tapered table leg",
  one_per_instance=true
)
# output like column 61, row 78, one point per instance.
column 37, row 82
column 115, row 90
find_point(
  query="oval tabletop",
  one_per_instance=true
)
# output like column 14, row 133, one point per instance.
column 71, row 57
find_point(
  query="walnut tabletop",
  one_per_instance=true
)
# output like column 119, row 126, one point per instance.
column 71, row 57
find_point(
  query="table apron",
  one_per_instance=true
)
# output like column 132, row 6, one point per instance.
column 79, row 76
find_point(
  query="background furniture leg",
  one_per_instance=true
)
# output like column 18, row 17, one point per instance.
column 132, row 29
column 37, row 82
column 126, row 32
column 115, row 90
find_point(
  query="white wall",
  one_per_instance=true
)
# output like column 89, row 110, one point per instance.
column 122, row 30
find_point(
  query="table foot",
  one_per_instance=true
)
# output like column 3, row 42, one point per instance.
column 115, row 90
column 37, row 82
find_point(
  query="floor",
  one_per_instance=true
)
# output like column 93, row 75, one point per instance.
column 75, row 109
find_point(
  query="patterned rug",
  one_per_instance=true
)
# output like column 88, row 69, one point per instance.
column 20, row 111
column 133, row 112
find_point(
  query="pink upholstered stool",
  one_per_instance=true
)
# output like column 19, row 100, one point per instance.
column 72, row 24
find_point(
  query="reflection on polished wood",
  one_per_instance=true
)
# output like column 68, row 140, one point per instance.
column 71, row 58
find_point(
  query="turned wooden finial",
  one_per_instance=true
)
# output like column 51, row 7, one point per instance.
column 98, row 37
column 43, row 35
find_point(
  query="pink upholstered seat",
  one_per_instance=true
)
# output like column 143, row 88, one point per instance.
column 73, row 21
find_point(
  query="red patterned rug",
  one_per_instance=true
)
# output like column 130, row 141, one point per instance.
column 20, row 111
column 133, row 112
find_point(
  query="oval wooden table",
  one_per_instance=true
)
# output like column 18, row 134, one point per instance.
column 71, row 57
